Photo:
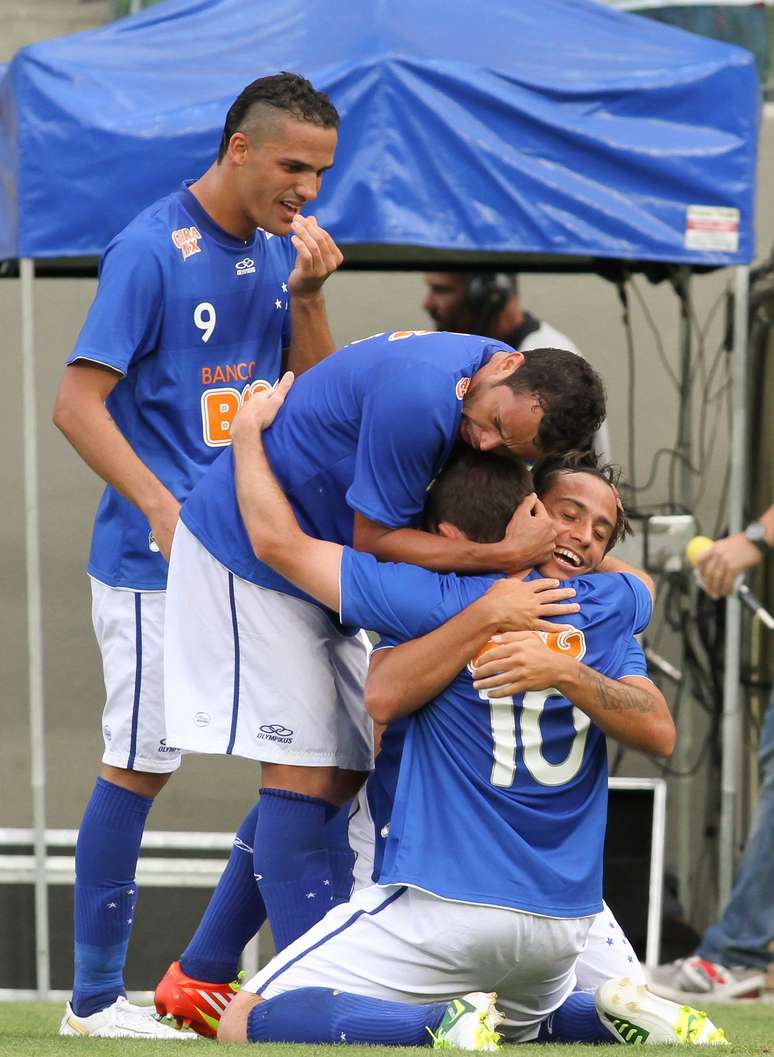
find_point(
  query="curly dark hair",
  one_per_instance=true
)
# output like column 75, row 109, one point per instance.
column 282, row 91
column 478, row 493
column 547, row 470
column 570, row 392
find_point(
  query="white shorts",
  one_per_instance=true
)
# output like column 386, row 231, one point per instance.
column 257, row 673
column 606, row 956
column 406, row 945
column 129, row 626
column 361, row 840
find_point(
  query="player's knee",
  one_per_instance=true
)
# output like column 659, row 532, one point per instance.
column 145, row 783
column 233, row 1023
column 320, row 782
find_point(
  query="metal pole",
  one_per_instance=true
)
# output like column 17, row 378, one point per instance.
column 731, row 727
column 34, row 627
column 685, row 814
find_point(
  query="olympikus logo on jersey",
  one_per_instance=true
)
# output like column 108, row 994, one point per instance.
column 187, row 241
column 245, row 267
column 275, row 732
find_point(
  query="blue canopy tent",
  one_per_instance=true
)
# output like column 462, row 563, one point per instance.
column 561, row 133
column 565, row 129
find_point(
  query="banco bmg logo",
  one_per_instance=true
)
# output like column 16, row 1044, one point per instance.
column 275, row 732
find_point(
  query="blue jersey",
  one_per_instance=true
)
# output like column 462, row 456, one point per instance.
column 500, row 802
column 192, row 318
column 365, row 430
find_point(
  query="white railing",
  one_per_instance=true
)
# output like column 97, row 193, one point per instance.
column 152, row 872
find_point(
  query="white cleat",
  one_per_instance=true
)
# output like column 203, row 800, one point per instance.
column 634, row 1015
column 469, row 1024
column 121, row 1020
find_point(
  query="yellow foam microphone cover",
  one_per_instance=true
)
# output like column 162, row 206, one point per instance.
column 696, row 547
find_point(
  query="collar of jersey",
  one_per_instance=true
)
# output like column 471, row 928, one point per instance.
column 205, row 222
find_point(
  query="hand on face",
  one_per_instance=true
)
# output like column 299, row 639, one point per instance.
column 317, row 257
column 533, row 532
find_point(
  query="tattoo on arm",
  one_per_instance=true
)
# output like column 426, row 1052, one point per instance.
column 612, row 696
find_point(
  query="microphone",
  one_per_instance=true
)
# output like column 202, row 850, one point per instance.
column 694, row 550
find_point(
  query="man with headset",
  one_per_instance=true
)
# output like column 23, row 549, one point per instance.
column 488, row 303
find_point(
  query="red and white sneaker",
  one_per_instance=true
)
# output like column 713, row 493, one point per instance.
column 695, row 977
column 195, row 1004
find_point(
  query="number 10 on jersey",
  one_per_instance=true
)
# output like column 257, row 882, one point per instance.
column 504, row 714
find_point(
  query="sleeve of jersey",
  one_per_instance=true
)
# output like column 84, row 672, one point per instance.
column 124, row 318
column 407, row 425
column 396, row 600
column 634, row 662
column 642, row 604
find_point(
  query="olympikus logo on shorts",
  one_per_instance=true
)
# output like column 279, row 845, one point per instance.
column 245, row 267
column 163, row 747
column 275, row 732
column 187, row 241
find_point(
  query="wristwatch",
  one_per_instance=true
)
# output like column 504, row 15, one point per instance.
column 756, row 533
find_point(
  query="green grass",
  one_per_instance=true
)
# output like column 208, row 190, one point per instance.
column 28, row 1029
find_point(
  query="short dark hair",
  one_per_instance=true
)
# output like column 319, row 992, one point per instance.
column 478, row 493
column 284, row 91
column 570, row 392
column 546, row 472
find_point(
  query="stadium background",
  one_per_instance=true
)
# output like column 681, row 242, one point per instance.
column 210, row 794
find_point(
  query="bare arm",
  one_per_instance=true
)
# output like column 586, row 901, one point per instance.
column 530, row 538
column 404, row 678
column 275, row 535
column 318, row 257
column 632, row 709
column 80, row 413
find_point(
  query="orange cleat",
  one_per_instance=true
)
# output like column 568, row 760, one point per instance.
column 195, row 1004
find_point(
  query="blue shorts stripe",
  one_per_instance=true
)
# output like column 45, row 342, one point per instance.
column 235, row 630
column 350, row 921
column 137, row 678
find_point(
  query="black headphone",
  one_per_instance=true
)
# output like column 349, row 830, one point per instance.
column 488, row 293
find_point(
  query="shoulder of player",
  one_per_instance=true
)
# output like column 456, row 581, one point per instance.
column 609, row 587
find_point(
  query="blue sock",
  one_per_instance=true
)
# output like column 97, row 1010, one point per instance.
column 291, row 861
column 234, row 914
column 342, row 858
column 319, row 1014
column 105, row 893
column 576, row 1020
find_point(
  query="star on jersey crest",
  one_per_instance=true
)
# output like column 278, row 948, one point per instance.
column 311, row 895
column 284, row 288
column 277, row 303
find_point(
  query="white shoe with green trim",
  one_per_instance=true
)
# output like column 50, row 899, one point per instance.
column 469, row 1024
column 634, row 1015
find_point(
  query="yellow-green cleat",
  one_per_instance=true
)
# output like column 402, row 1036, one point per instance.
column 469, row 1023
column 635, row 1016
